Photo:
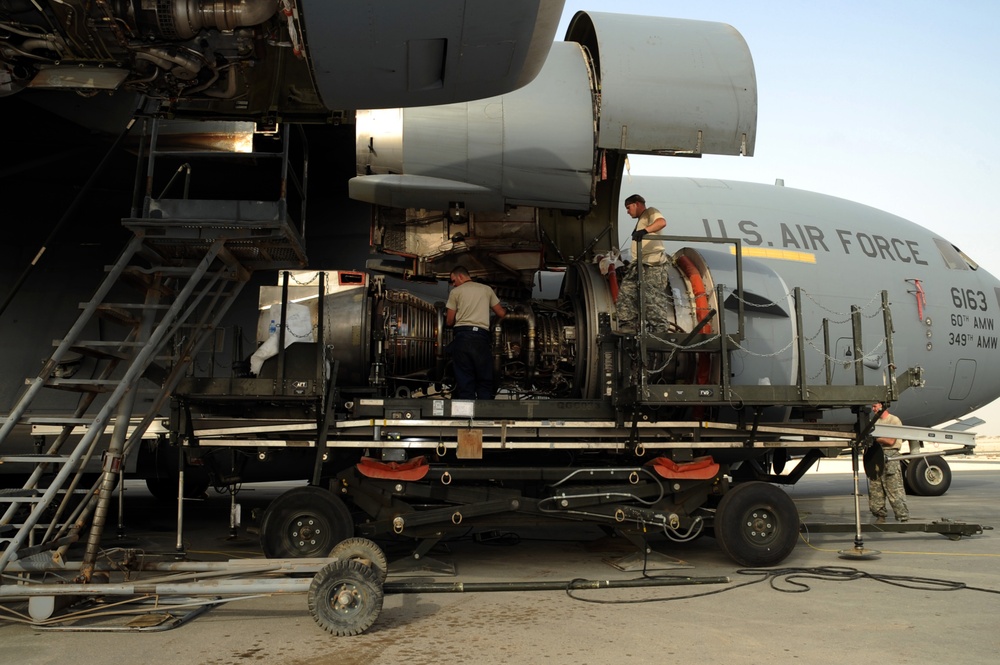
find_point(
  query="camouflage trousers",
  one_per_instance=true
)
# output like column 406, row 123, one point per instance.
column 655, row 297
column 888, row 486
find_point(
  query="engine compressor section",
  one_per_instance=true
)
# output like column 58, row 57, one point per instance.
column 394, row 343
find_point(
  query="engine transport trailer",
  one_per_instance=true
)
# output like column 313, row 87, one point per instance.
column 636, row 432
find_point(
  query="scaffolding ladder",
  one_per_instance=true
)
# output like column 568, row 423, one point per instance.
column 190, row 258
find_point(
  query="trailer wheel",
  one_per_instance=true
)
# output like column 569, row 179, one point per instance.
column 345, row 598
column 304, row 522
column 928, row 476
column 365, row 551
column 756, row 524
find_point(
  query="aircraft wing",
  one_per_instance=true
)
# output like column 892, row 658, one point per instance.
column 964, row 425
column 276, row 59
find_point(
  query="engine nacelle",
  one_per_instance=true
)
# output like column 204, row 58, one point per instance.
column 619, row 83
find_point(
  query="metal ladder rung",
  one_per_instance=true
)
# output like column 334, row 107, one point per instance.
column 18, row 492
column 20, row 495
column 127, row 305
column 87, row 385
column 81, row 385
column 115, row 314
column 56, row 420
column 26, row 552
column 88, row 349
column 35, row 458
column 94, row 344
column 171, row 271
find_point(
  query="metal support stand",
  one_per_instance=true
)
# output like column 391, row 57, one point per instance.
column 418, row 562
column 179, row 546
column 858, row 552
column 234, row 514
column 646, row 558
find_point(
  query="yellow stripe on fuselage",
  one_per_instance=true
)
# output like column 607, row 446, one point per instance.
column 780, row 254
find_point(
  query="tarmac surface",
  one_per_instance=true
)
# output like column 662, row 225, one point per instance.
column 924, row 599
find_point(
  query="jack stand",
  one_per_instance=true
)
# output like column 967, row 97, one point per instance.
column 179, row 553
column 646, row 558
column 234, row 514
column 418, row 563
column 858, row 552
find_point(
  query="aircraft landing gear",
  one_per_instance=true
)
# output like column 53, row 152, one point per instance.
column 927, row 476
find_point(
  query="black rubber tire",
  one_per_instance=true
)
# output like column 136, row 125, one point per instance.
column 345, row 598
column 928, row 476
column 365, row 551
column 304, row 522
column 756, row 524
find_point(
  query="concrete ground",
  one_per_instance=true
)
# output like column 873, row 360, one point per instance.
column 925, row 599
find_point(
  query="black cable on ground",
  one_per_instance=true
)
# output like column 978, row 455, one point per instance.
column 793, row 579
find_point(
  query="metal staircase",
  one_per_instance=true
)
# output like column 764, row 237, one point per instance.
column 189, row 258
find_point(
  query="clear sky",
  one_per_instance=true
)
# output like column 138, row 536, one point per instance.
column 889, row 103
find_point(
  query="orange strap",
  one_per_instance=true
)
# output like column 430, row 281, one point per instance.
column 700, row 468
column 413, row 469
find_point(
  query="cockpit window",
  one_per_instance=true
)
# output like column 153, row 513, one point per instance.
column 955, row 258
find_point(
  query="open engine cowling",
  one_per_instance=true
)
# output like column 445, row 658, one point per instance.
column 624, row 84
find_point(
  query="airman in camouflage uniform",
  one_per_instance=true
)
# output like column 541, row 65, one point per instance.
column 655, row 262
column 889, row 484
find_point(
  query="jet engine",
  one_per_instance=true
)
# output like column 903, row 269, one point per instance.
column 394, row 342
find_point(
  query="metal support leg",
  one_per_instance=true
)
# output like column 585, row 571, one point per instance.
column 179, row 546
column 418, row 562
column 234, row 514
column 858, row 551
column 646, row 558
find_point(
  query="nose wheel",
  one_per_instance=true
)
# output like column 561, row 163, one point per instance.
column 928, row 476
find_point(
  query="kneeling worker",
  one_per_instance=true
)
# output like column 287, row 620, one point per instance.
column 469, row 305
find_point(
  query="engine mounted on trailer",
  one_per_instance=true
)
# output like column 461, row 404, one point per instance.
column 668, row 430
